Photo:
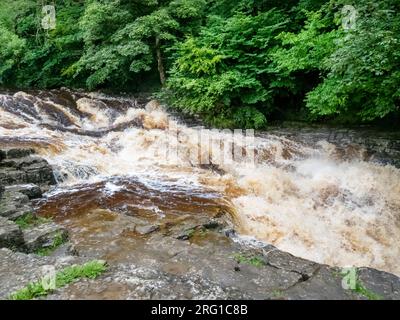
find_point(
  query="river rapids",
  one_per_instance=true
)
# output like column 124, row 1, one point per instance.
column 314, row 200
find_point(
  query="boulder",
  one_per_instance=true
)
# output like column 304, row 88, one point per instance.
column 32, row 191
column 20, row 166
column 10, row 235
column 14, row 205
column 381, row 283
column 18, row 152
column 9, row 176
column 147, row 229
column 40, row 173
column 43, row 236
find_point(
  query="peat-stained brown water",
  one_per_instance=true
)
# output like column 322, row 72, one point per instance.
column 116, row 160
column 105, row 218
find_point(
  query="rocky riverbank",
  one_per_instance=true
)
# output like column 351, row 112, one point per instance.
column 23, row 178
column 191, row 257
column 25, row 238
column 376, row 144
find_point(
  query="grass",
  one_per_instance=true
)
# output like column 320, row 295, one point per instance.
column 196, row 231
column 90, row 270
column 277, row 294
column 190, row 233
column 202, row 232
column 360, row 289
column 256, row 261
column 59, row 239
column 30, row 220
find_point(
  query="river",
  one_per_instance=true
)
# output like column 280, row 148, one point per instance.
column 305, row 192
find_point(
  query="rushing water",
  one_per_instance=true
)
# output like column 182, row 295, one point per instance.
column 314, row 200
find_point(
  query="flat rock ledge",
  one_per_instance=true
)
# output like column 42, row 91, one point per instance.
column 166, row 265
column 19, row 269
column 283, row 277
column 22, row 166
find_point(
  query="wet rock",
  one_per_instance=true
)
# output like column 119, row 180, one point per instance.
column 213, row 224
column 19, row 269
column 214, row 168
column 325, row 284
column 32, row 191
column 229, row 232
column 286, row 261
column 134, row 282
column 382, row 284
column 40, row 173
column 14, row 205
column 19, row 166
column 19, row 163
column 10, row 235
column 19, row 153
column 188, row 233
column 379, row 145
column 183, row 237
column 66, row 249
column 147, row 229
column 10, row 176
column 43, row 236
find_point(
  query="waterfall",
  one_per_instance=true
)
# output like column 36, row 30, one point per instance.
column 314, row 200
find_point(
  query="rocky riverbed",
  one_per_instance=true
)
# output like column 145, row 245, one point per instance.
column 181, row 256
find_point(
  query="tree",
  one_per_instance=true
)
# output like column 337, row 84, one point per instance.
column 359, row 69
column 235, row 63
column 133, row 40
column 224, row 72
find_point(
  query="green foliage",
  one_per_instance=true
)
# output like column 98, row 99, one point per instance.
column 235, row 63
column 58, row 240
column 39, row 57
column 187, row 9
column 366, row 85
column 104, row 59
column 361, row 289
column 127, row 47
column 307, row 49
column 30, row 220
column 11, row 49
column 90, row 270
column 31, row 291
column 359, row 68
column 253, row 260
column 223, row 73
column 12, row 45
column 370, row 295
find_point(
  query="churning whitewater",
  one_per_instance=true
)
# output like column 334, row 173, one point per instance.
column 337, row 208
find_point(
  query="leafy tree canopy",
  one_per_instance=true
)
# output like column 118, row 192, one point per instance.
column 235, row 63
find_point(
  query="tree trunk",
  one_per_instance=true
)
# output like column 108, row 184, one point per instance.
column 160, row 62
